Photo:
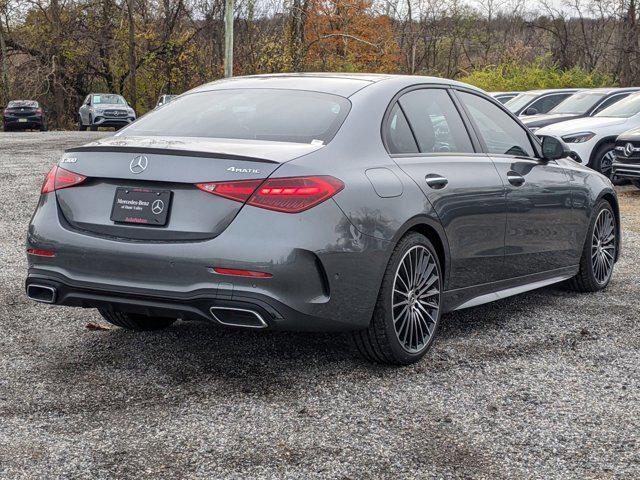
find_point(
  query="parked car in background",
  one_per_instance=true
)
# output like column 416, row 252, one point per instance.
column 105, row 110
column 164, row 99
column 593, row 139
column 365, row 203
column 626, row 165
column 536, row 102
column 24, row 115
column 585, row 103
column 503, row 97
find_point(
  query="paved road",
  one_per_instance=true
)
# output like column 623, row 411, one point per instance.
column 543, row 385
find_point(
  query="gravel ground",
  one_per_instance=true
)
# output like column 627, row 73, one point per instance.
column 543, row 385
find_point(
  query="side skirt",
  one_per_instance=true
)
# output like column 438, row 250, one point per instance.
column 489, row 292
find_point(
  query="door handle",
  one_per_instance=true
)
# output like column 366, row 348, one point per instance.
column 436, row 181
column 515, row 179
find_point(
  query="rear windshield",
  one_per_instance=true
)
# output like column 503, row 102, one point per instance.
column 22, row 103
column 249, row 114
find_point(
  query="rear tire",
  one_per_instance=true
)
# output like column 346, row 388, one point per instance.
column 603, row 159
column 599, row 251
column 407, row 312
column 135, row 321
column 636, row 183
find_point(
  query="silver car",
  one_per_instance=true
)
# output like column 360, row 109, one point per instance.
column 105, row 110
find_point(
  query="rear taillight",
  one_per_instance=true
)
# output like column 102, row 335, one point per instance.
column 289, row 195
column 59, row 178
column 6, row 112
column 239, row 190
column 39, row 111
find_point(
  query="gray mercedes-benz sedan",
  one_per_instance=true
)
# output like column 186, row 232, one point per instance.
column 366, row 203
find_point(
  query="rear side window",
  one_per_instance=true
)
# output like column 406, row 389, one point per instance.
column 501, row 133
column 250, row 114
column 435, row 121
column 398, row 135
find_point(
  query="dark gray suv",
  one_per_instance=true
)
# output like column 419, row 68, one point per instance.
column 367, row 203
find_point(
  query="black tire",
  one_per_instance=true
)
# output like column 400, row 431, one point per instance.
column 81, row 126
column 135, row 321
column 586, row 279
column 380, row 342
column 93, row 128
column 43, row 127
column 636, row 183
column 602, row 164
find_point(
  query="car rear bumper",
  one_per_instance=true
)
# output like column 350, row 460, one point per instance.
column 626, row 170
column 321, row 279
column 28, row 122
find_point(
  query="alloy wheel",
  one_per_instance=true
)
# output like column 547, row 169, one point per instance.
column 416, row 299
column 603, row 246
column 606, row 164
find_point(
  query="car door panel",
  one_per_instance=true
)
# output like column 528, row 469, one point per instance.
column 538, row 194
column 463, row 186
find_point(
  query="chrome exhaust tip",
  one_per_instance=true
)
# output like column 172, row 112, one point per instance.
column 41, row 293
column 238, row 317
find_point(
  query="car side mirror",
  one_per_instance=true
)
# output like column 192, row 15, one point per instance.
column 553, row 148
column 530, row 111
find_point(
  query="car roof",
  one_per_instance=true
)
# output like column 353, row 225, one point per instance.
column 610, row 90
column 343, row 84
column 553, row 90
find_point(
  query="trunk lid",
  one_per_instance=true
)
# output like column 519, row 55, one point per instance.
column 175, row 165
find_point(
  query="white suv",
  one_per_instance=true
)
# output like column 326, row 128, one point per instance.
column 592, row 139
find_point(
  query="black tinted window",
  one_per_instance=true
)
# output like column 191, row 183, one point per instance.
column 500, row 132
column 399, row 136
column 546, row 103
column 252, row 114
column 610, row 101
column 435, row 121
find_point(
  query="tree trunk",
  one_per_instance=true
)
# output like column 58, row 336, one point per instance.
column 133, row 94
column 4, row 98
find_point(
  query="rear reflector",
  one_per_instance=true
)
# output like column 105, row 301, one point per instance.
column 59, row 178
column 241, row 273
column 289, row 195
column 41, row 253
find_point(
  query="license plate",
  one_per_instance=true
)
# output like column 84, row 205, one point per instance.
column 23, row 120
column 141, row 206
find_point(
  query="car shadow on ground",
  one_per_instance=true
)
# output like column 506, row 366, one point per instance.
column 192, row 349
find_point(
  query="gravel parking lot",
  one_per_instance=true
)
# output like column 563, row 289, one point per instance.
column 543, row 385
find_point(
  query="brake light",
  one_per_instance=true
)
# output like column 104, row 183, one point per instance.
column 41, row 253
column 289, row 194
column 59, row 178
column 39, row 111
column 241, row 273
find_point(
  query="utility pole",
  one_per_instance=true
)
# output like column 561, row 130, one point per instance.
column 228, row 38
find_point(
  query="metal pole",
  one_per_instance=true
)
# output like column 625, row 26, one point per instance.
column 228, row 38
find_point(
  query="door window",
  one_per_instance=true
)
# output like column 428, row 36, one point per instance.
column 398, row 135
column 546, row 103
column 610, row 101
column 501, row 133
column 435, row 121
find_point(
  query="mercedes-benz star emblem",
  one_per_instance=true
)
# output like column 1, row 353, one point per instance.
column 628, row 149
column 157, row 207
column 139, row 164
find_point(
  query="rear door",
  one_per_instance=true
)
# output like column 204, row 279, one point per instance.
column 538, row 236
column 427, row 138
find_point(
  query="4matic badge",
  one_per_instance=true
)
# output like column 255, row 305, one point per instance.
column 243, row 170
